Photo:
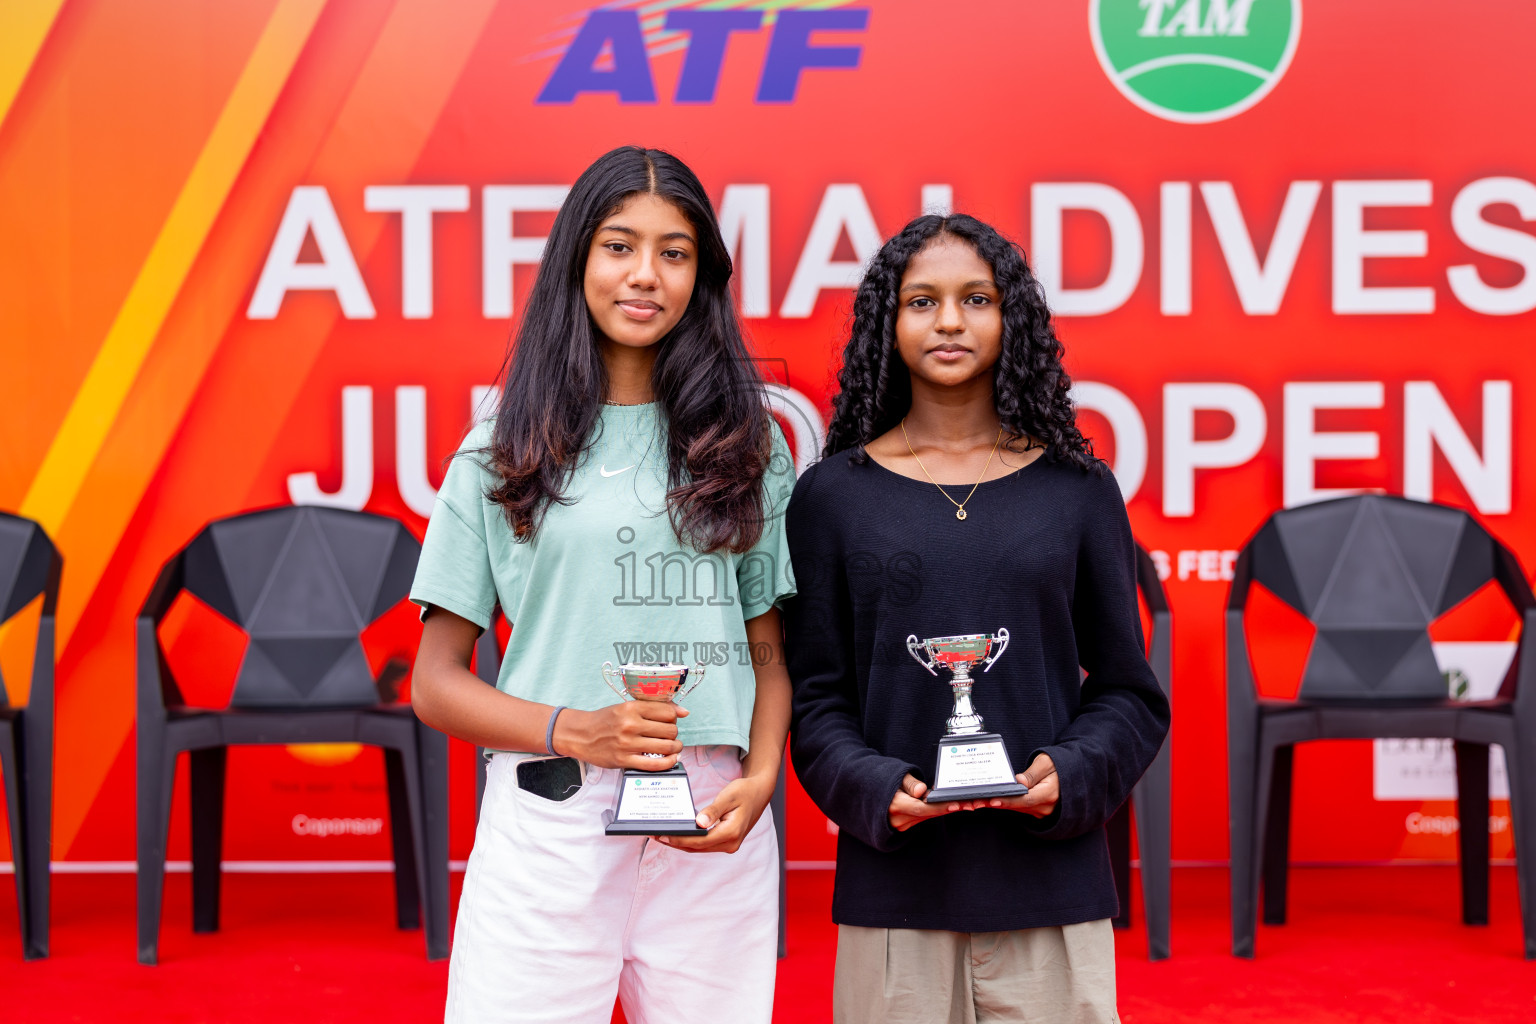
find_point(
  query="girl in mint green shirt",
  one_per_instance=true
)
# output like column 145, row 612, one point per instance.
column 624, row 505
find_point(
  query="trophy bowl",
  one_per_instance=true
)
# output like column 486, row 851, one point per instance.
column 663, row 682
column 966, row 649
column 958, row 653
column 660, row 802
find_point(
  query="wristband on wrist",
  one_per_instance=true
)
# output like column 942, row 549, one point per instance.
column 549, row 730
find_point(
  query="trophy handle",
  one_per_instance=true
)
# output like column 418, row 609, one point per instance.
column 608, row 673
column 1002, row 634
column 913, row 646
column 698, row 673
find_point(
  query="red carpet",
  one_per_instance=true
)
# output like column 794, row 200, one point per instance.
column 1364, row 945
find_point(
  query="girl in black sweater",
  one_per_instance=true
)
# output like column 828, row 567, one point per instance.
column 956, row 496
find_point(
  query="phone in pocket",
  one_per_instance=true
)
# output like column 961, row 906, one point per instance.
column 553, row 778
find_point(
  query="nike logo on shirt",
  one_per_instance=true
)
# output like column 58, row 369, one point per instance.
column 604, row 470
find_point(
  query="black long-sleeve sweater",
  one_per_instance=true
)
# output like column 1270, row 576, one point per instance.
column 1045, row 552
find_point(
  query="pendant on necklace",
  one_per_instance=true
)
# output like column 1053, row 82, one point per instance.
column 960, row 512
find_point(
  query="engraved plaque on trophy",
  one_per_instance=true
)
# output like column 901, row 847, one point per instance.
column 972, row 764
column 653, row 803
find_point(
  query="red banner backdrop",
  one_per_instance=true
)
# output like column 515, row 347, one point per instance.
column 267, row 251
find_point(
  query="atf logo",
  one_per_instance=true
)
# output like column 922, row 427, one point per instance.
column 611, row 51
column 1195, row 60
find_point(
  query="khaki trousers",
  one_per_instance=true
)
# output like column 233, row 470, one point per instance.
column 1062, row 975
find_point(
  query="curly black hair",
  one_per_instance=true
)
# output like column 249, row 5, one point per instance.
column 1029, row 386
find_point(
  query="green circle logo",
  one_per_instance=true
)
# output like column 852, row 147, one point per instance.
column 1195, row 61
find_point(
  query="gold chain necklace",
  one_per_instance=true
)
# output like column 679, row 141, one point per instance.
column 959, row 505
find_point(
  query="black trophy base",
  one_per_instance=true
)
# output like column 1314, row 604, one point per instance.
column 953, row 793
column 652, row 828
column 979, row 767
column 673, row 783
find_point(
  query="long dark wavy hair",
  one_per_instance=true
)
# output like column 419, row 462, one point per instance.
column 716, row 421
column 1029, row 386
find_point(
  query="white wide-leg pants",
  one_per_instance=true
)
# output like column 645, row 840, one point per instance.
column 556, row 918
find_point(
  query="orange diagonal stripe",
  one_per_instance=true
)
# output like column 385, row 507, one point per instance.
column 377, row 136
column 112, row 374
column 24, row 25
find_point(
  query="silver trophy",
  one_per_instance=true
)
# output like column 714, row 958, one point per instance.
column 972, row 764
column 653, row 803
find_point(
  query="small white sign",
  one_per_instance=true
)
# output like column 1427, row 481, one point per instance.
column 1425, row 769
column 664, row 798
column 972, row 764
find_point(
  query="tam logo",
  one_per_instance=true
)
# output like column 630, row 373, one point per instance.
column 622, row 34
column 1221, row 18
column 1195, row 61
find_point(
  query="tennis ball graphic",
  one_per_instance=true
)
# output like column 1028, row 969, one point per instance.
column 1194, row 61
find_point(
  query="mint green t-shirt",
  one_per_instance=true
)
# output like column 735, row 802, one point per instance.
column 605, row 579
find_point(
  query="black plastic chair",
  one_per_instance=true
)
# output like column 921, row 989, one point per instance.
column 302, row 583
column 1152, row 799
column 488, row 666
column 1371, row 573
column 29, row 565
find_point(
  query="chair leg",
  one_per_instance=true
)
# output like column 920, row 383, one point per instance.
column 35, row 752
column 1243, row 813
column 207, row 777
column 1277, row 837
column 16, row 818
column 1118, row 832
column 407, row 895
column 1472, row 810
column 156, row 773
column 425, row 769
column 1153, row 806
column 432, row 747
column 780, row 824
column 1522, row 808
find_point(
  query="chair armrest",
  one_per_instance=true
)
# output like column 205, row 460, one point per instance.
column 45, row 655
column 1151, row 586
column 162, row 595
column 1242, row 579
column 1511, row 579
column 155, row 685
column 51, row 588
column 1520, row 681
column 1160, row 654
column 44, row 658
column 1517, row 589
column 1242, row 693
